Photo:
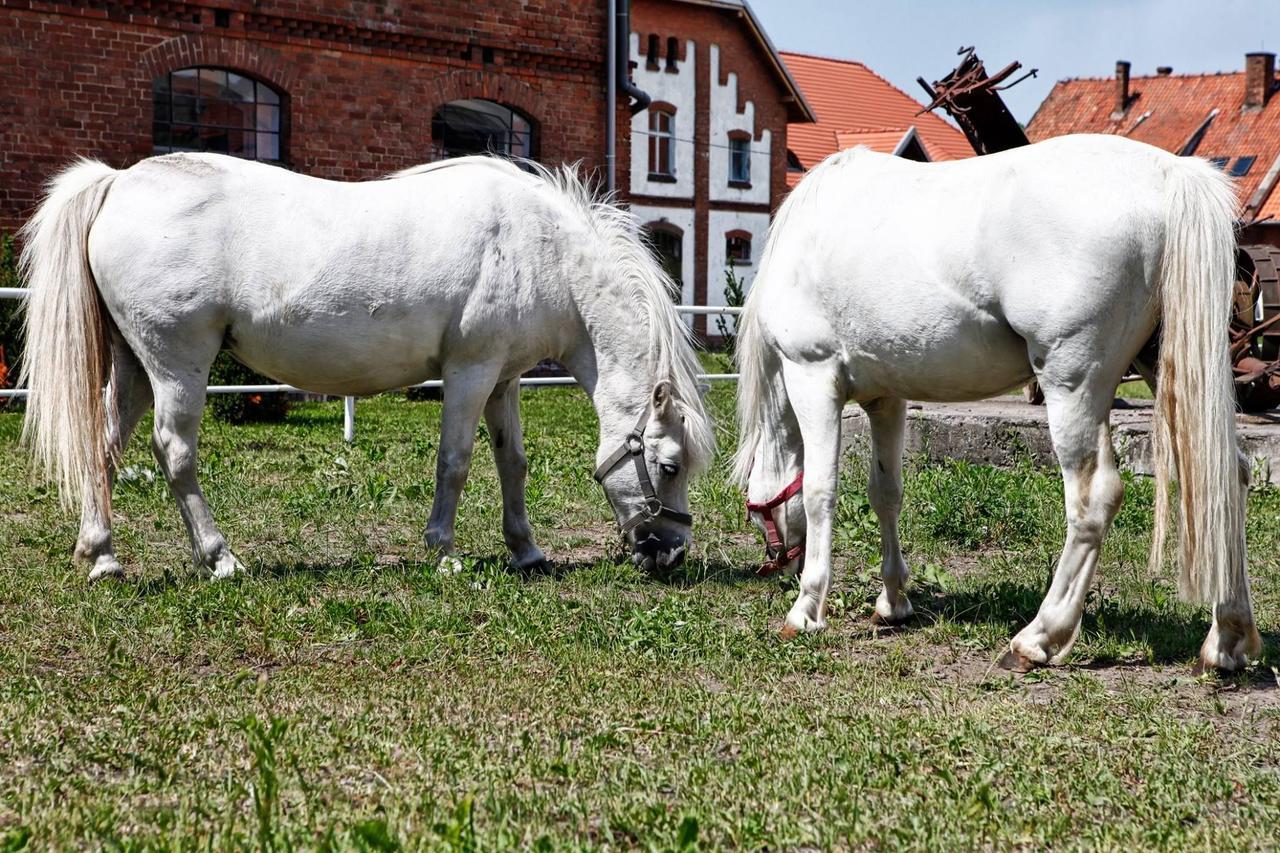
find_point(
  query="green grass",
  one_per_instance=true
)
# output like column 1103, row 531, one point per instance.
column 346, row 694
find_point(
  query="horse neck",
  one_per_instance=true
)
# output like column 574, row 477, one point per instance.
column 613, row 360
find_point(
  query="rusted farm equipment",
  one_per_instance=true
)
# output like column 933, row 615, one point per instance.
column 972, row 99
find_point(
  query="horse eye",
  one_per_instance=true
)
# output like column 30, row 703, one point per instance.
column 669, row 469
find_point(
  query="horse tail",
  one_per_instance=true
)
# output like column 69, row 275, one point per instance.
column 1194, row 433
column 67, row 354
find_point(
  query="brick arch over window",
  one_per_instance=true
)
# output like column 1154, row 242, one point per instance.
column 245, row 57
column 461, row 85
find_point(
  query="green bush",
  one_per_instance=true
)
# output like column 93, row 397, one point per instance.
column 243, row 408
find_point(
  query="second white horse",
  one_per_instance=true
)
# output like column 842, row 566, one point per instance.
column 886, row 280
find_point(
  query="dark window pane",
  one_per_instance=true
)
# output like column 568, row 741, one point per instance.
column 184, row 109
column 1241, row 167
column 268, row 146
column 213, row 83
column 161, row 102
column 211, row 109
column 183, row 138
column 240, row 87
column 268, row 118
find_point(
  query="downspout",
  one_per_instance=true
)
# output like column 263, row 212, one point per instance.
column 611, row 101
column 618, row 70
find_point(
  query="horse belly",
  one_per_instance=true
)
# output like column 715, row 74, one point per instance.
column 954, row 366
column 344, row 354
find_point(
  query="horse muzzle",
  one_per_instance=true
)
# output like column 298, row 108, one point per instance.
column 653, row 551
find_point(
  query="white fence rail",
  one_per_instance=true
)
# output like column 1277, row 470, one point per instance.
column 349, row 403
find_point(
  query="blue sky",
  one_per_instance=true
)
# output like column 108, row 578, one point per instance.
column 1063, row 38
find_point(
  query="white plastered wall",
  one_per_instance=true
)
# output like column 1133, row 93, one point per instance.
column 719, row 223
column 724, row 118
column 676, row 89
column 682, row 218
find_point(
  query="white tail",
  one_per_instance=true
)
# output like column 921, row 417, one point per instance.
column 67, row 354
column 1194, row 431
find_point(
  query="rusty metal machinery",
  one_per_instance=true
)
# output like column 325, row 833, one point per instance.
column 973, row 101
column 1255, row 328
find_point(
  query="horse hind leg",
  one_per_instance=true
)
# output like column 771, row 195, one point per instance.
column 131, row 391
column 888, row 418
column 179, row 401
column 1078, row 425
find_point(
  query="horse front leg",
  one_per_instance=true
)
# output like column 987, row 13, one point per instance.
column 812, row 390
column 465, row 392
column 502, row 416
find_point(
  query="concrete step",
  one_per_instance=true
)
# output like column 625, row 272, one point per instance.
column 1004, row 430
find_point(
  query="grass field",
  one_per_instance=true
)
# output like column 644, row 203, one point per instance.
column 346, row 694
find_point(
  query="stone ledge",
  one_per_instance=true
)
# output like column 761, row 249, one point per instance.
column 1005, row 430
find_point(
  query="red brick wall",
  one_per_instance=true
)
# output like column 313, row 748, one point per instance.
column 361, row 79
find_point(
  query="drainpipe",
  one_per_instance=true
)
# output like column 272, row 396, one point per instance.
column 618, row 70
column 611, row 101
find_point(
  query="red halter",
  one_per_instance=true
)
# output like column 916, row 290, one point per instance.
column 777, row 552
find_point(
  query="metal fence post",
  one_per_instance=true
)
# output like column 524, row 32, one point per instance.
column 348, row 419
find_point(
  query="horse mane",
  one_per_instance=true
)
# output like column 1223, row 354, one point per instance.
column 762, row 398
column 670, row 340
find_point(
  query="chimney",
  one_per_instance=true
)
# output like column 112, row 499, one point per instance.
column 1122, row 89
column 1259, row 79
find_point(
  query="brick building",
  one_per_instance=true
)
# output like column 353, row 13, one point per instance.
column 1233, row 119
column 348, row 90
column 708, row 156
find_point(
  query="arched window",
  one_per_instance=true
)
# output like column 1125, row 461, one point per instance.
column 737, row 247
column 477, row 126
column 662, row 142
column 212, row 109
column 667, row 242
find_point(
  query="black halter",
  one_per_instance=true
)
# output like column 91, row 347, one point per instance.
column 633, row 446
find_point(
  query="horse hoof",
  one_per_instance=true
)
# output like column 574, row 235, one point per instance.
column 879, row 621
column 106, row 569
column 1015, row 662
column 788, row 632
column 227, row 566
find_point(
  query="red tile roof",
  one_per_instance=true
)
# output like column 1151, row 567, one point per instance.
column 849, row 97
column 1165, row 111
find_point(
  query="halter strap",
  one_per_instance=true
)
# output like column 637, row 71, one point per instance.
column 775, row 549
column 654, row 508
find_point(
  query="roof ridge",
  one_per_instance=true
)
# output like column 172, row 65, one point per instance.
column 1132, row 77
column 841, row 60
column 886, row 129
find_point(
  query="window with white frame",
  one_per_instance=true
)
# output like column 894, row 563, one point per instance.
column 739, row 159
column 662, row 143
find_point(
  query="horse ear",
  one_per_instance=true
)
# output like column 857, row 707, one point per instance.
column 662, row 393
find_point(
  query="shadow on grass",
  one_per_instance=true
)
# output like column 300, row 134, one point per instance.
column 1174, row 637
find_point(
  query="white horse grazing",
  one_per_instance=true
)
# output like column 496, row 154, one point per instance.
column 886, row 280
column 468, row 270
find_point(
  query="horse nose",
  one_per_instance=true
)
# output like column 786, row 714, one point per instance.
column 654, row 551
